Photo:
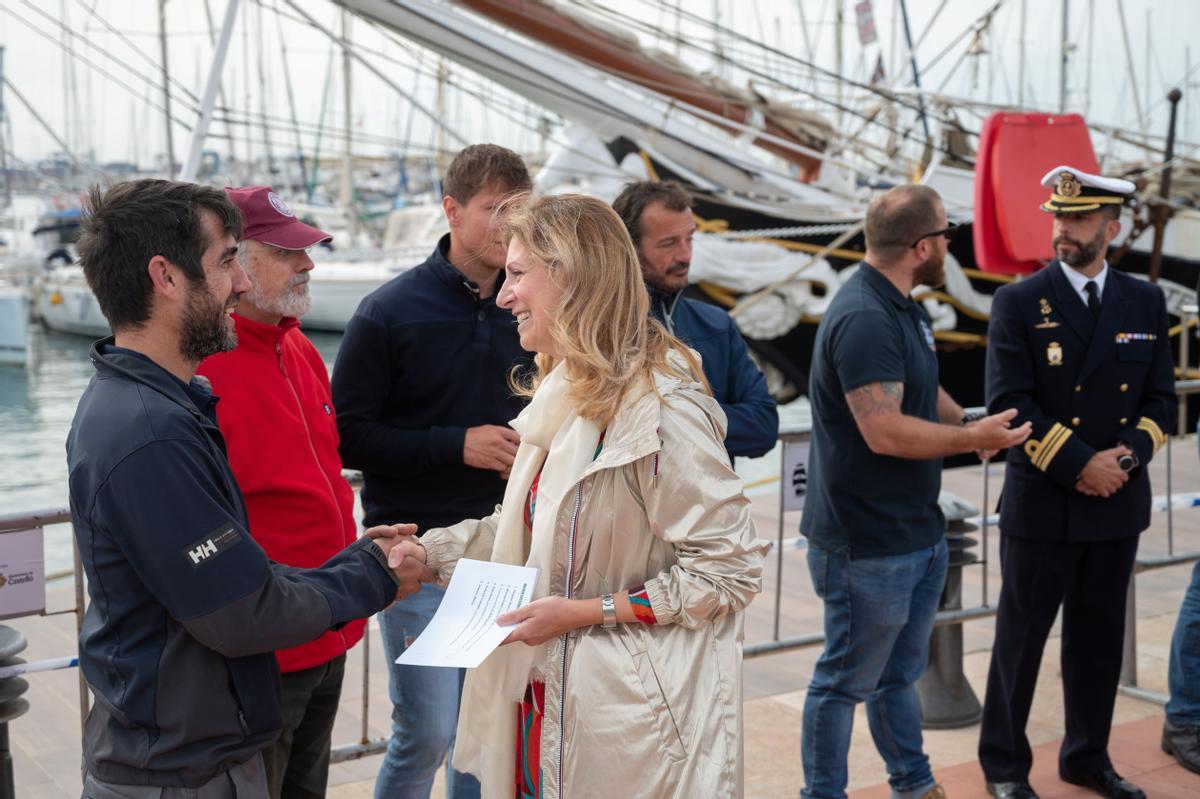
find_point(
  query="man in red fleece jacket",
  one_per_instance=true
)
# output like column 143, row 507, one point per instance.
column 277, row 417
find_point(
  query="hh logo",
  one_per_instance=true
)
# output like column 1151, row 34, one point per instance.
column 211, row 545
column 205, row 550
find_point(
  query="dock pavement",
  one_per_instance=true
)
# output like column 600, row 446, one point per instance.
column 46, row 741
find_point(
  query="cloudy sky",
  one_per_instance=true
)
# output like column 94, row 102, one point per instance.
column 106, row 96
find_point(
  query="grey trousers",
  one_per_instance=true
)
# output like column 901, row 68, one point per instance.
column 247, row 781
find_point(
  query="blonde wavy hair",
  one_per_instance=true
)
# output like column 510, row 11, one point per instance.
column 603, row 330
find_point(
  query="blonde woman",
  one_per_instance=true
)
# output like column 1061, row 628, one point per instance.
column 627, row 664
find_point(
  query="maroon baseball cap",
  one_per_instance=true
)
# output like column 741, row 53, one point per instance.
column 267, row 218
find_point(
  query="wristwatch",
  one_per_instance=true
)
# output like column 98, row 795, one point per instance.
column 972, row 416
column 1128, row 462
column 608, row 609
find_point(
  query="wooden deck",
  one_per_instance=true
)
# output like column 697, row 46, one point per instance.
column 46, row 742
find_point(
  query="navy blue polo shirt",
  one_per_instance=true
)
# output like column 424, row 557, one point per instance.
column 866, row 504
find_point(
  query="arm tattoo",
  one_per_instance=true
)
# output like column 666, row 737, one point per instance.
column 875, row 398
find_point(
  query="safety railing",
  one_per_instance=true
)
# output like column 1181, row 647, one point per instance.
column 368, row 746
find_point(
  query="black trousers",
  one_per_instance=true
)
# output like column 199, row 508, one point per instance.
column 1089, row 581
column 297, row 763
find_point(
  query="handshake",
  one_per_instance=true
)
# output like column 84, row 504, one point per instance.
column 405, row 556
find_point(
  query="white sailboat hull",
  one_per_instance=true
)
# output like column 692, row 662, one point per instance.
column 14, row 325
column 68, row 306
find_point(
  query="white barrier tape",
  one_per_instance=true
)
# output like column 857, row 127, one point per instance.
column 38, row 665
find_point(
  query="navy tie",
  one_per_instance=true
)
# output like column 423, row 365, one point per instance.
column 1093, row 292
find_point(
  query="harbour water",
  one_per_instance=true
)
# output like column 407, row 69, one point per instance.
column 37, row 402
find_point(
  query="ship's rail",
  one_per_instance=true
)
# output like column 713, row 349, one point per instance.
column 985, row 609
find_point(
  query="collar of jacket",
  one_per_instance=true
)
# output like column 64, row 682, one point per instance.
column 662, row 305
column 633, row 432
column 262, row 338
column 448, row 273
column 148, row 373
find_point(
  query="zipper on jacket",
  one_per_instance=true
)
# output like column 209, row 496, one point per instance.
column 316, row 458
column 562, row 680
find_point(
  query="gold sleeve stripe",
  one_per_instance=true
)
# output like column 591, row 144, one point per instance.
column 1041, row 453
column 1051, row 444
column 1151, row 428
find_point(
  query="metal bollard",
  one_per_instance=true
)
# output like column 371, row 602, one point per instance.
column 947, row 699
column 11, row 705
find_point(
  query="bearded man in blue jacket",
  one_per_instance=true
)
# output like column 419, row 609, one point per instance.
column 658, row 215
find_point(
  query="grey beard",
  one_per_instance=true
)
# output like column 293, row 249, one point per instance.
column 288, row 303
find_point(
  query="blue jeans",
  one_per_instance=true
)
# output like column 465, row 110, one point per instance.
column 878, row 617
column 1183, row 675
column 424, row 709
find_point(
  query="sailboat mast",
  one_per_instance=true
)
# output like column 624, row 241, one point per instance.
column 192, row 166
column 839, row 56
column 347, row 192
column 439, row 125
column 212, row 39
column 1066, row 54
column 1021, row 60
column 1087, row 94
column 1133, row 83
column 166, row 87
column 3, row 145
column 912, row 60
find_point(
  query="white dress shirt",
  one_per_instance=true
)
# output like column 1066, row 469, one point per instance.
column 1078, row 281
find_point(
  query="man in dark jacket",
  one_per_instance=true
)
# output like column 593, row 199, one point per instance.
column 186, row 609
column 658, row 215
column 421, row 388
column 1083, row 353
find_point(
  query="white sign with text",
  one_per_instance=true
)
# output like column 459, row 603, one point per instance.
column 22, row 573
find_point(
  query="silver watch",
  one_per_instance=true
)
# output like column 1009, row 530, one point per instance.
column 608, row 609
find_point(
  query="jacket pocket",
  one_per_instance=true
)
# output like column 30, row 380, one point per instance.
column 1135, row 351
column 656, row 701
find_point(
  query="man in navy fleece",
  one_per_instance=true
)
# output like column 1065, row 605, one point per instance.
column 421, row 388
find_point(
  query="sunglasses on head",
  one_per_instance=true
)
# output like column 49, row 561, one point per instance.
column 946, row 231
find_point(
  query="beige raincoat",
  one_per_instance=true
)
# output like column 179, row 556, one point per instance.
column 642, row 710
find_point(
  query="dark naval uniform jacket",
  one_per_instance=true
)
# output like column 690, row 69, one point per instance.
column 1086, row 385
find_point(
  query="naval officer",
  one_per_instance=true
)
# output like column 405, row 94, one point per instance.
column 1082, row 351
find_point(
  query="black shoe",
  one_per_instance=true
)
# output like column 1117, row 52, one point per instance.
column 1011, row 790
column 1183, row 744
column 1108, row 783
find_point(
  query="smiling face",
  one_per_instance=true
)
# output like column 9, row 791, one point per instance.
column 206, row 323
column 532, row 296
column 665, row 246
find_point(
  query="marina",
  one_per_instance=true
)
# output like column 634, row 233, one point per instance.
column 781, row 119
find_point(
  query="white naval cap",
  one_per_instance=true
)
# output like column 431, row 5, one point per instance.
column 1075, row 191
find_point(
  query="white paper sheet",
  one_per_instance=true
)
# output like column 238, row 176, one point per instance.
column 464, row 631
